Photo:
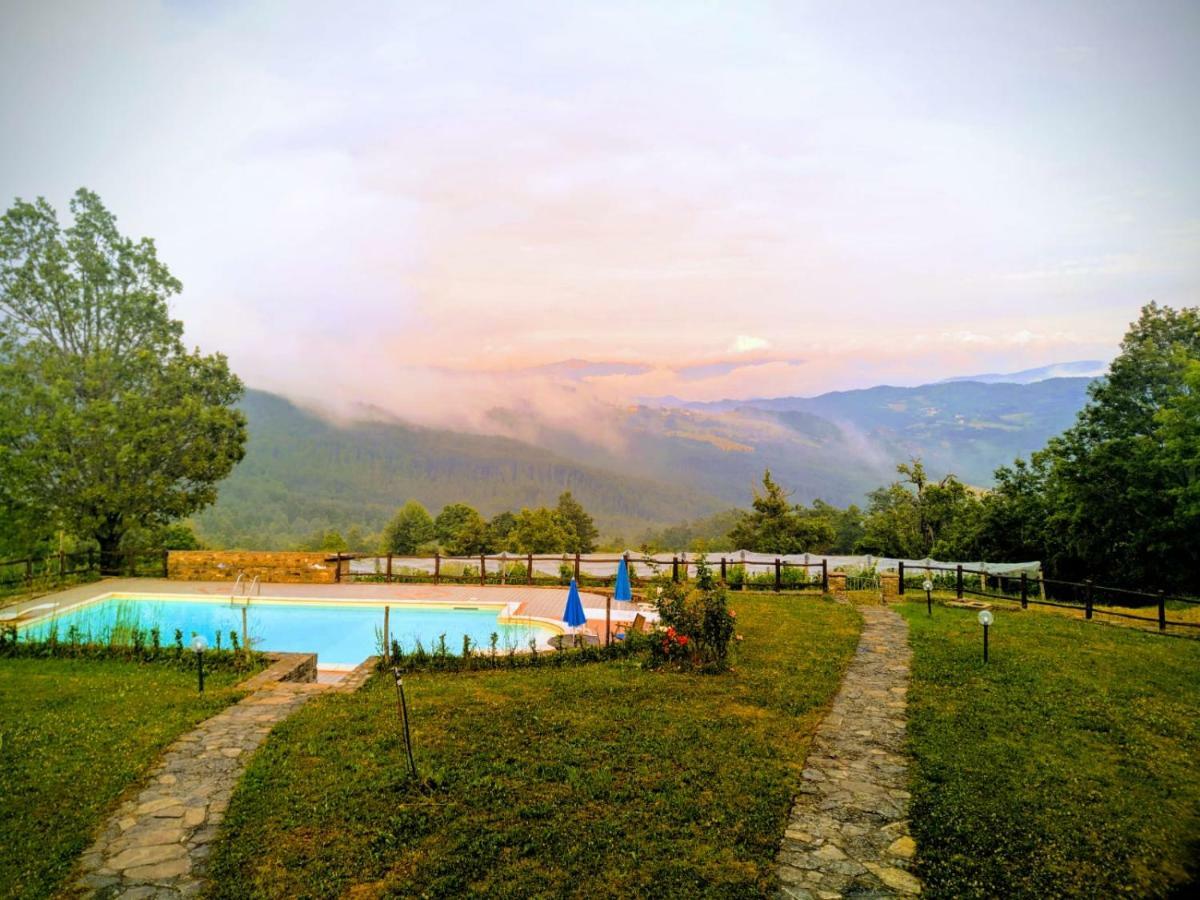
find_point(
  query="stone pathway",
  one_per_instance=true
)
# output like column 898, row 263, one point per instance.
column 848, row 835
column 156, row 844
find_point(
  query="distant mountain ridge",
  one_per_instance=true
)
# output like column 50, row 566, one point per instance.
column 1084, row 368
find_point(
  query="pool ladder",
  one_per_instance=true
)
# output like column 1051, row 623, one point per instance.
column 253, row 588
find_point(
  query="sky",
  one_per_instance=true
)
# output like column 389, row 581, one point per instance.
column 441, row 207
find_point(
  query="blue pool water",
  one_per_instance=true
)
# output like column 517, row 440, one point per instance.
column 339, row 635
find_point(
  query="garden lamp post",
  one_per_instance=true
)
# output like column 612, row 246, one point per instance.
column 928, row 586
column 199, row 644
column 985, row 619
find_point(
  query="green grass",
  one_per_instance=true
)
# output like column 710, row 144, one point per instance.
column 73, row 735
column 602, row 780
column 1067, row 766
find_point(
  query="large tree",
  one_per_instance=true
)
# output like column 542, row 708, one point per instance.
column 541, row 530
column 583, row 529
column 461, row 531
column 410, row 528
column 110, row 424
column 916, row 517
column 774, row 525
column 1115, row 496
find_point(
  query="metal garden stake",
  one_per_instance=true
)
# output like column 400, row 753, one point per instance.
column 928, row 586
column 402, row 709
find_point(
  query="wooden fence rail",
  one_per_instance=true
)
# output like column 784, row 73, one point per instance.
column 27, row 571
column 681, row 566
column 1083, row 594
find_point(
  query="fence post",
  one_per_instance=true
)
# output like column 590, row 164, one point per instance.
column 1087, row 598
column 675, row 568
column 778, row 576
column 577, row 568
column 337, row 568
column 29, row 571
column 482, row 570
column 958, row 586
column 1024, row 591
column 437, row 567
column 62, row 565
column 1162, row 611
column 722, row 570
column 387, row 636
column 166, row 563
column 900, row 573
column 529, row 569
column 825, row 577
column 91, row 561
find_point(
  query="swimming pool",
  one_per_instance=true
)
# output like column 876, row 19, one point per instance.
column 341, row 633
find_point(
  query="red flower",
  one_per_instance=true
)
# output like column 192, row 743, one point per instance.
column 732, row 614
column 683, row 640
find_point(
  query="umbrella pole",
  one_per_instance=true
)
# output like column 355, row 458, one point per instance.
column 608, row 621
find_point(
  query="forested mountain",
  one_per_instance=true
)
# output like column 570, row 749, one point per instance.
column 303, row 473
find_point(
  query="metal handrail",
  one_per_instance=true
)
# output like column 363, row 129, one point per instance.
column 233, row 593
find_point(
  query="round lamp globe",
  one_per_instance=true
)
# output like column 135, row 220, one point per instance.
column 199, row 644
column 985, row 617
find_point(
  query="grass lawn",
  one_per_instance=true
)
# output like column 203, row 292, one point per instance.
column 601, row 780
column 1067, row 766
column 73, row 735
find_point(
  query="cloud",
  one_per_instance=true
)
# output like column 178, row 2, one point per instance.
column 561, row 209
column 744, row 344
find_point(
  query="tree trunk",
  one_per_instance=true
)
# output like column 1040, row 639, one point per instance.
column 109, row 538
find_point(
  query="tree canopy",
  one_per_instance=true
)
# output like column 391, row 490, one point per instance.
column 1115, row 496
column 110, row 425
column 461, row 530
column 409, row 530
column 582, row 533
column 916, row 517
column 775, row 525
column 541, row 530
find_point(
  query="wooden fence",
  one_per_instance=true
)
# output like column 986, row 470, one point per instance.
column 507, row 568
column 56, row 568
column 1078, row 595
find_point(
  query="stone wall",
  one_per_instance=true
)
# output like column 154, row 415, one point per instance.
column 226, row 565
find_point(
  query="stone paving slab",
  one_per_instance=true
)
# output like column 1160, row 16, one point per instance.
column 156, row 844
column 848, row 833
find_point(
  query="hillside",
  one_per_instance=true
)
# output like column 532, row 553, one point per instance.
column 303, row 473
column 966, row 427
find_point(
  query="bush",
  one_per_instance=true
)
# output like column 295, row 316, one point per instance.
column 696, row 626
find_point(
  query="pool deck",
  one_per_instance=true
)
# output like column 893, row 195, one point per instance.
column 539, row 602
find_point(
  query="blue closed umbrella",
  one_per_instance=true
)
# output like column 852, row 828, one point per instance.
column 623, row 591
column 573, row 614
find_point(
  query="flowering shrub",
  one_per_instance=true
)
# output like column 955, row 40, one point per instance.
column 695, row 623
column 674, row 645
